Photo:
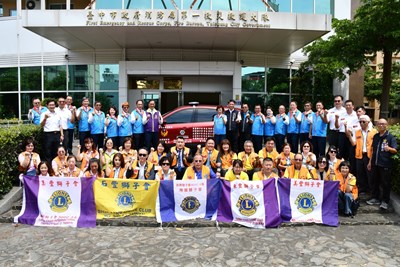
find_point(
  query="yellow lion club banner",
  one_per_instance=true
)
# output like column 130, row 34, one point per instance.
column 117, row 198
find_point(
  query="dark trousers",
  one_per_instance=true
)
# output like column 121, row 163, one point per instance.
column 98, row 139
column 319, row 145
column 232, row 136
column 179, row 173
column 334, row 138
column 66, row 139
column 381, row 176
column 364, row 182
column 279, row 141
column 293, row 140
column 50, row 143
column 138, row 140
column 70, row 140
column 151, row 140
column 82, row 136
column 344, row 146
column 257, row 142
column 244, row 136
column 218, row 139
column 304, row 137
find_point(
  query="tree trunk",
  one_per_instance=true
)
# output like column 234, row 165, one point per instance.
column 387, row 81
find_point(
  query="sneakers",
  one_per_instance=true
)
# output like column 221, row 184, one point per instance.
column 384, row 205
column 374, row 201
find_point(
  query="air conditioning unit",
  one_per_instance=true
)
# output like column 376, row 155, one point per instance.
column 33, row 4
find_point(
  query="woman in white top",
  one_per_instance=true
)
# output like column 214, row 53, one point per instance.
column 28, row 160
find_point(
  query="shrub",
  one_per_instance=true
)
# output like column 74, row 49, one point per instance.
column 11, row 139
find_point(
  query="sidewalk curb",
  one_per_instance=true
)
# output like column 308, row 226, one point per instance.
column 7, row 202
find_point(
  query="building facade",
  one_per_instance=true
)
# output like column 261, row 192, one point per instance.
column 173, row 52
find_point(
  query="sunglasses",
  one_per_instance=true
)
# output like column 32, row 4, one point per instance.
column 142, row 155
column 333, row 151
column 306, row 146
column 337, row 101
column 323, row 162
column 297, row 159
column 363, row 122
column 165, row 164
column 36, row 102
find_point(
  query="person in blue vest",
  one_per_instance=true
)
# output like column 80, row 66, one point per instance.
column 282, row 121
column 82, row 114
column 233, row 119
column 293, row 128
column 152, row 119
column 124, row 122
column 220, row 120
column 138, row 128
column 96, row 121
column 306, row 122
column 112, row 126
column 257, row 129
column 269, row 126
column 35, row 112
column 319, row 125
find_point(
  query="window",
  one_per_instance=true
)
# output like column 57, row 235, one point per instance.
column 205, row 114
column 55, row 78
column 31, row 79
column 107, row 77
column 80, row 77
column 8, row 79
column 181, row 116
column 303, row 6
column 253, row 79
column 1, row 10
column 9, row 106
column 107, row 4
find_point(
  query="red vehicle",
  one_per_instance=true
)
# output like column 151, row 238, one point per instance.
column 194, row 123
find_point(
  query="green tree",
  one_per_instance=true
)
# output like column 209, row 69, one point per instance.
column 373, row 85
column 375, row 27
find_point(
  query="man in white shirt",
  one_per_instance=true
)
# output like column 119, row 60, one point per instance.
column 345, row 122
column 66, row 116
column 53, row 131
column 332, row 113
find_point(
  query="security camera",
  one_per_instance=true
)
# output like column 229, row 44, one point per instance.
column 241, row 62
column 66, row 57
column 292, row 61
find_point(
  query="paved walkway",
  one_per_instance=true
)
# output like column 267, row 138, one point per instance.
column 143, row 246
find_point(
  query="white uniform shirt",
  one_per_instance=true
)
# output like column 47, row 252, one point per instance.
column 65, row 115
column 53, row 122
column 332, row 116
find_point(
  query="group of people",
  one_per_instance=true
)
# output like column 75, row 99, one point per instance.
column 132, row 149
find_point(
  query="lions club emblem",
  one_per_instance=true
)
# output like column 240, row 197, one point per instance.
column 59, row 201
column 190, row 204
column 305, row 203
column 247, row 204
column 125, row 200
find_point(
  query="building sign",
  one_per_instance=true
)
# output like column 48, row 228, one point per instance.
column 178, row 18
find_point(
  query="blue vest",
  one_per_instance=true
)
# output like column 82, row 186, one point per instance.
column 219, row 126
column 305, row 124
column 36, row 115
column 269, row 128
column 137, row 127
column 112, row 128
column 97, row 125
column 257, row 127
column 293, row 127
column 126, row 127
column 83, row 122
column 319, row 126
column 280, row 127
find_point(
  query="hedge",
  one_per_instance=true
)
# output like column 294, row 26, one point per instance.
column 11, row 139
